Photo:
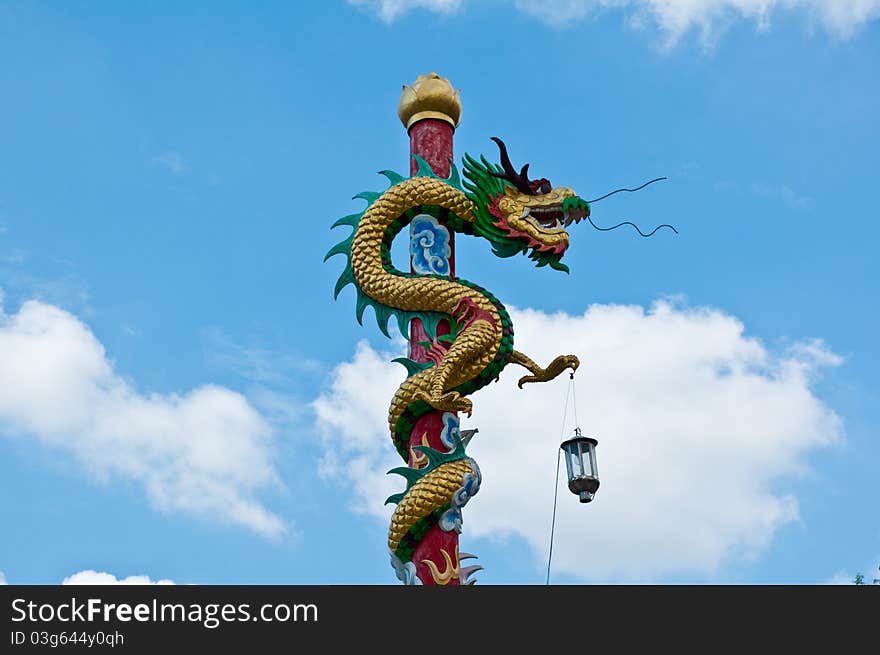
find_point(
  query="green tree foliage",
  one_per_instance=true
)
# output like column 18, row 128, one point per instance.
column 860, row 579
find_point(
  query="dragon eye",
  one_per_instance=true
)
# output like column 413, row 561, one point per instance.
column 540, row 186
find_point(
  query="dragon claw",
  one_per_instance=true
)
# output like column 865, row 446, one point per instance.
column 555, row 367
column 525, row 379
column 451, row 401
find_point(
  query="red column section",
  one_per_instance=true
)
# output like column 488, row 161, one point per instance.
column 431, row 140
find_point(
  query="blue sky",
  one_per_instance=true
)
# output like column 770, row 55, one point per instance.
column 183, row 400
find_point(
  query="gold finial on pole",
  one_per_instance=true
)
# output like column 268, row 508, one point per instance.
column 430, row 96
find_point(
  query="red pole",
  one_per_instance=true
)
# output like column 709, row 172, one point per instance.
column 430, row 111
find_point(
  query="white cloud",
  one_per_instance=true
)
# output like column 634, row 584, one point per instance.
column 257, row 362
column 775, row 192
column 205, row 453
column 839, row 578
column 699, row 427
column 173, row 161
column 789, row 197
column 90, row 577
column 388, row 10
column 674, row 18
column 359, row 396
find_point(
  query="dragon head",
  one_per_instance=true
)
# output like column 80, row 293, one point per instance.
column 519, row 215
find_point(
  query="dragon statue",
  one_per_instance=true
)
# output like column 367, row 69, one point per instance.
column 516, row 215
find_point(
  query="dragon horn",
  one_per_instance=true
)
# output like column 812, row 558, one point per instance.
column 519, row 180
column 505, row 158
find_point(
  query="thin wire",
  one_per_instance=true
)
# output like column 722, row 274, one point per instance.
column 568, row 393
column 607, row 229
column 553, row 523
column 638, row 188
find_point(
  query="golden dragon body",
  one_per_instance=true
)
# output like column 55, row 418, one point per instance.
column 516, row 215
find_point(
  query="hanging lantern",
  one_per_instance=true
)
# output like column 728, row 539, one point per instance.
column 580, row 462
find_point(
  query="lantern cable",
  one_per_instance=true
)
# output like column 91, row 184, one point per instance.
column 568, row 394
column 553, row 523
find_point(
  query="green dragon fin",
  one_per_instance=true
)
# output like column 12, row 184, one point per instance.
column 344, row 280
column 403, row 324
column 351, row 220
column 412, row 366
column 393, row 177
column 341, row 248
column 435, row 459
column 395, row 498
column 412, row 475
column 424, row 168
column 369, row 196
column 454, row 178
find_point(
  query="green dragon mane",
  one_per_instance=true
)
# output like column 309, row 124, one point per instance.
column 483, row 188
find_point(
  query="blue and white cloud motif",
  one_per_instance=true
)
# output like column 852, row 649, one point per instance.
column 450, row 430
column 429, row 246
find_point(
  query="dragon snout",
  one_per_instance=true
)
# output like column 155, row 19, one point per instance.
column 575, row 210
column 556, row 216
